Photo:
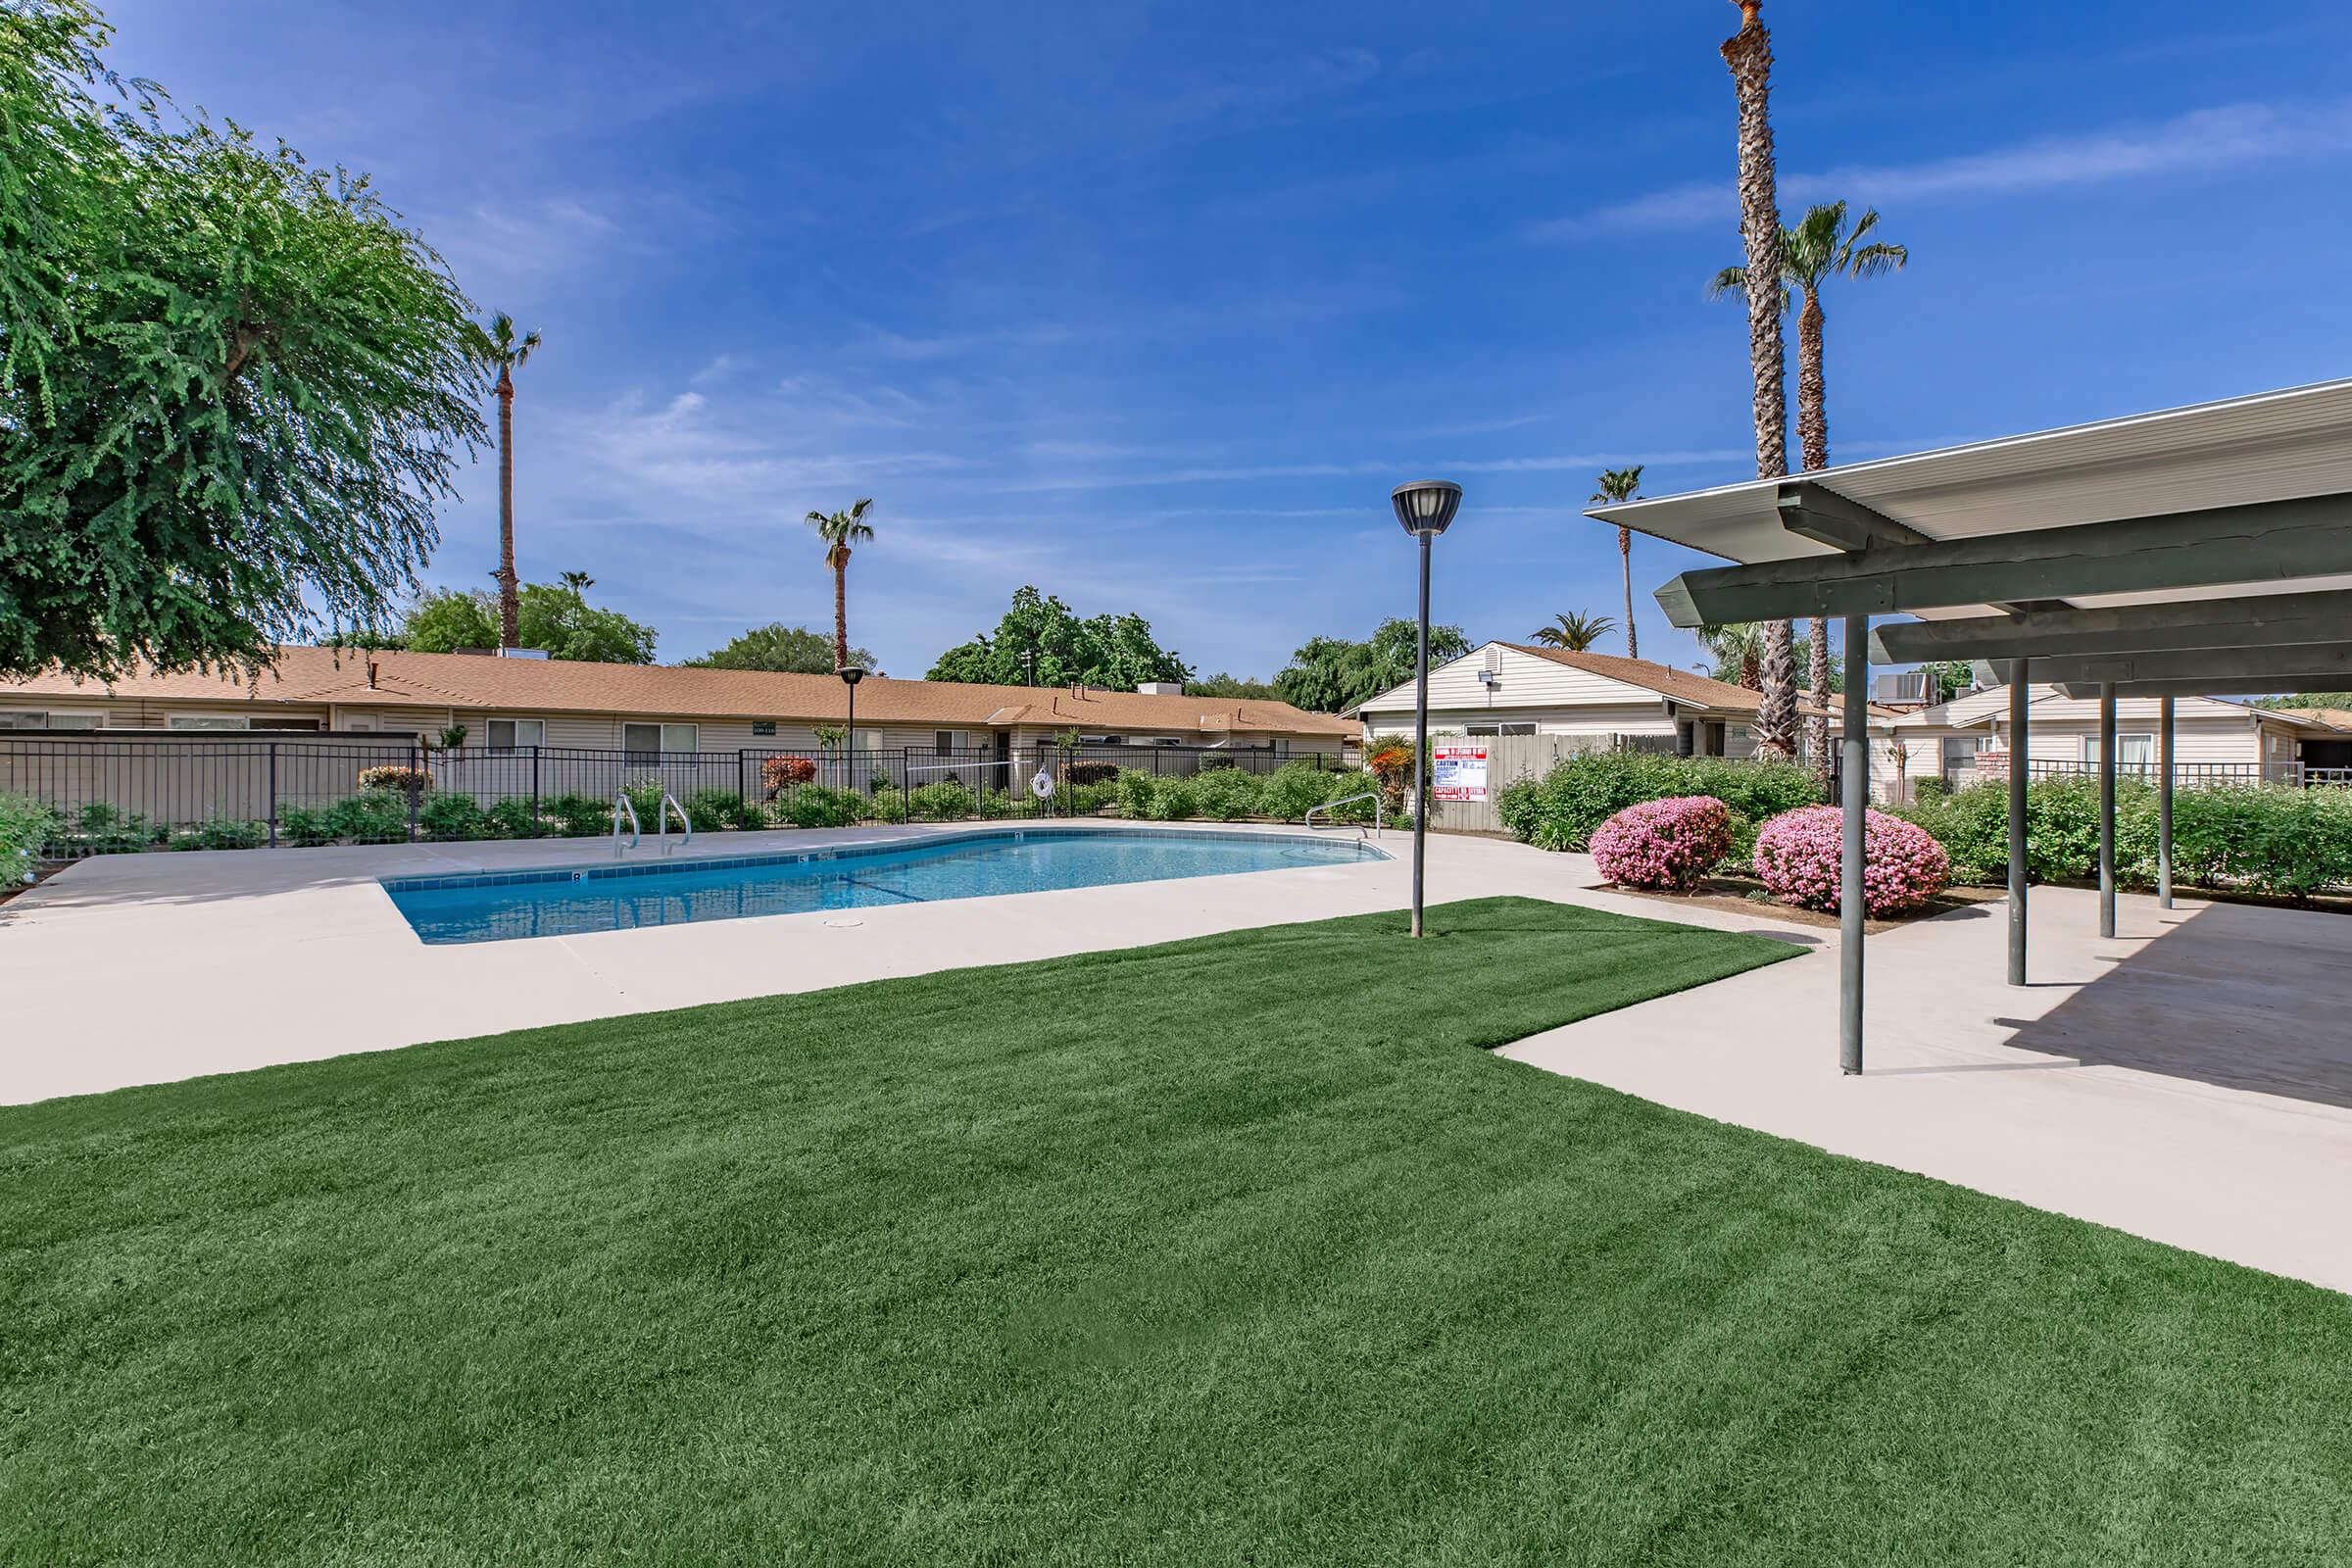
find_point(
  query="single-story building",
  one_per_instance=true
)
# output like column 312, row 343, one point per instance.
column 2215, row 740
column 1636, row 704
column 509, row 703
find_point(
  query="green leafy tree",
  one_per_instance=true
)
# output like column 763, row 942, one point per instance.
column 567, row 626
column 786, row 649
column 550, row 618
column 1953, row 676
column 2337, row 700
column 1618, row 485
column 1233, row 687
column 1330, row 675
column 1574, row 631
column 1737, row 649
column 444, row 620
column 232, row 386
column 840, row 530
column 499, row 349
column 1042, row 642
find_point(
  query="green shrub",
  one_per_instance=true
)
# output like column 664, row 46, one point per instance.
column 645, row 798
column 717, row 810
column 1091, row 799
column 1133, row 792
column 305, row 826
column 2267, row 838
column 887, row 804
column 222, row 833
column 943, row 800
column 1560, row 809
column 820, row 806
column 395, row 777
column 1173, row 800
column 581, row 816
column 448, row 819
column 511, row 818
column 1227, row 794
column 375, row 817
column 1294, row 789
column 25, row 827
column 103, row 829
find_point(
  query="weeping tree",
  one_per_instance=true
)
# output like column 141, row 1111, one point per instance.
column 1748, row 54
column 233, row 386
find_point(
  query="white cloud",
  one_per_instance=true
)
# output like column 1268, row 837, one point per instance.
column 2203, row 141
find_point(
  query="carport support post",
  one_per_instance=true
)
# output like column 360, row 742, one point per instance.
column 2164, row 803
column 2020, row 704
column 2106, row 808
column 1856, row 767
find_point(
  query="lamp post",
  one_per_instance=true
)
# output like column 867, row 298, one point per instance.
column 1425, row 506
column 850, row 675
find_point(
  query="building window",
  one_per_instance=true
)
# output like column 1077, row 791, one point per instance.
column 646, row 740
column 207, row 721
column 2133, row 753
column 1102, row 740
column 947, row 742
column 1501, row 728
column 513, row 734
column 52, row 721
column 308, row 727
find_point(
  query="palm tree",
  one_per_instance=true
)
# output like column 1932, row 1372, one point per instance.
column 497, row 347
column 579, row 582
column 1616, row 485
column 840, row 530
column 1575, row 631
column 1738, row 648
column 1812, row 253
column 1748, row 54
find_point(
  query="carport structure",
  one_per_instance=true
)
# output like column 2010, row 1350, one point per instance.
column 2194, row 552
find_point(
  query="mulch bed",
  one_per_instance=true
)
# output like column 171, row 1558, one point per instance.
column 1740, row 895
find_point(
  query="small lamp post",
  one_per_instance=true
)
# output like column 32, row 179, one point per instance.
column 850, row 675
column 1425, row 506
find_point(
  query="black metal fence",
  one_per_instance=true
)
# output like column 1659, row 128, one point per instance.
column 128, row 793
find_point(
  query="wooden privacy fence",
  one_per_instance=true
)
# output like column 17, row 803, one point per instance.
column 1509, row 757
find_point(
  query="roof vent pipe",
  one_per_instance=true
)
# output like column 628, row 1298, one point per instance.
column 372, row 675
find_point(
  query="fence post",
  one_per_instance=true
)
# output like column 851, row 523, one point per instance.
column 273, row 795
column 416, row 773
column 534, row 790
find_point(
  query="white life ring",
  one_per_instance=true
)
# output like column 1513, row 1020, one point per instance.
column 1041, row 786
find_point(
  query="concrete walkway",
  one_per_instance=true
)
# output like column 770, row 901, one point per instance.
column 2190, row 1081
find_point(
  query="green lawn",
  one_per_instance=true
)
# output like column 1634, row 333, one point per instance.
column 1238, row 1249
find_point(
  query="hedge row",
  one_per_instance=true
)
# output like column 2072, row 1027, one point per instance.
column 2270, row 838
column 1560, row 809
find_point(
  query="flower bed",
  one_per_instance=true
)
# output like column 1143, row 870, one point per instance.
column 1797, row 854
column 1671, row 842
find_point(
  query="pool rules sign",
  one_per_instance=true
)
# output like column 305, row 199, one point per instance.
column 1458, row 772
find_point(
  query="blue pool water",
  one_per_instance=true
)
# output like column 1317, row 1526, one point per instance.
column 493, row 907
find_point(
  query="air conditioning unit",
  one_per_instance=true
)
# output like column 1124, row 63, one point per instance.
column 1160, row 688
column 1905, row 686
column 523, row 652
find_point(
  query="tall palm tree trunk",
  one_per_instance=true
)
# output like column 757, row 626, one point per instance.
column 840, row 609
column 1625, row 552
column 1748, row 54
column 510, row 610
column 1813, row 436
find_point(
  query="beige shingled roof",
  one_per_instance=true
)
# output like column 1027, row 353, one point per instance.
column 563, row 686
column 1683, row 687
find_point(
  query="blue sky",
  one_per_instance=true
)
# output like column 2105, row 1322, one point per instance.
column 1151, row 305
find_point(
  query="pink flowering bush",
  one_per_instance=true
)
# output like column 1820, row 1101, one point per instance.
column 1671, row 842
column 1797, row 854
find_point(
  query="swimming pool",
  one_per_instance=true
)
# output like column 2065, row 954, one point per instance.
column 564, row 901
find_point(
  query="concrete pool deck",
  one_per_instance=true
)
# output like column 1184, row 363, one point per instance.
column 2189, row 1081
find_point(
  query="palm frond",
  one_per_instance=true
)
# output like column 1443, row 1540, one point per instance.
column 1873, row 259
column 1731, row 280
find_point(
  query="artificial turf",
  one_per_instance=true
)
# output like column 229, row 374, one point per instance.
column 1237, row 1250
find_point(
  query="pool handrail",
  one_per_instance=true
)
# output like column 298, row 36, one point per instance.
column 1369, row 795
column 669, row 804
column 621, row 805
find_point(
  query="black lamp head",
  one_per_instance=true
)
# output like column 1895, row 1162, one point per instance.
column 1426, row 506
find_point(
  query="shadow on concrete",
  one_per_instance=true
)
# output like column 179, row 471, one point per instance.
column 2233, row 995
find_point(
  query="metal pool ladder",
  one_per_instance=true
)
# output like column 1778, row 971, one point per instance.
column 621, row 807
column 1369, row 795
column 669, row 804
